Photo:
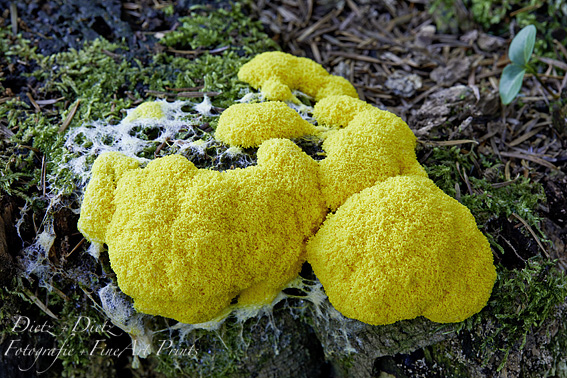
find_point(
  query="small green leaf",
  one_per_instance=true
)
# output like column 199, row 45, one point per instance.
column 511, row 82
column 522, row 46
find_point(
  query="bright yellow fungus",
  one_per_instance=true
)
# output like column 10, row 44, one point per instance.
column 277, row 74
column 184, row 242
column 338, row 111
column 403, row 249
column 146, row 110
column 248, row 125
column 373, row 146
column 98, row 206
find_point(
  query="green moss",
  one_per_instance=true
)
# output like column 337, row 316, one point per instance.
column 169, row 10
column 521, row 302
column 526, row 298
column 492, row 196
column 206, row 29
column 107, row 79
column 72, row 309
column 558, row 348
column 89, row 76
column 493, row 12
column 203, row 353
column 19, row 175
column 73, row 336
column 104, row 79
column 231, row 33
column 12, row 301
column 94, row 76
column 17, row 47
column 436, row 355
column 216, row 73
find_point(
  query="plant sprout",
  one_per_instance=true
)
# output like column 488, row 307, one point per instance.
column 520, row 52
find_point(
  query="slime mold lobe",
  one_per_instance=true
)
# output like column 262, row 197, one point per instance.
column 277, row 74
column 202, row 237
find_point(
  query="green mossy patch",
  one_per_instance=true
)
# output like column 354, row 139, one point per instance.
column 68, row 333
column 521, row 303
column 227, row 38
column 525, row 295
column 522, row 329
column 479, row 183
column 102, row 79
column 98, row 83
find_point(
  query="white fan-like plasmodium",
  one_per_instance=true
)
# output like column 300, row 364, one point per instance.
column 129, row 136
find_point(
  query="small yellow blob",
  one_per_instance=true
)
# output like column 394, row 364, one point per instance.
column 184, row 242
column 403, row 249
column 338, row 111
column 147, row 110
column 373, row 146
column 277, row 74
column 249, row 125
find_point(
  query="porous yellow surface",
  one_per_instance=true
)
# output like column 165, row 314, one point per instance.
column 277, row 74
column 401, row 249
column 98, row 207
column 338, row 111
column 373, row 146
column 146, row 110
column 248, row 125
column 184, row 242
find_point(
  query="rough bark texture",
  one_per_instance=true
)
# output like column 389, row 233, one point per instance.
column 414, row 348
column 294, row 354
column 352, row 347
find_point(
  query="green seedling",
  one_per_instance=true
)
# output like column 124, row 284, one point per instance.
column 520, row 53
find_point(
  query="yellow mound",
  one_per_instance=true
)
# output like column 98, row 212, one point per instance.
column 338, row 111
column 373, row 146
column 147, row 110
column 248, row 125
column 277, row 74
column 184, row 242
column 402, row 249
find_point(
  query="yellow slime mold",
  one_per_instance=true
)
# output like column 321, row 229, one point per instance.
column 277, row 74
column 184, row 242
column 402, row 249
